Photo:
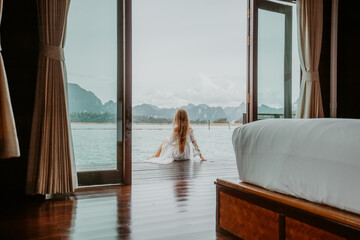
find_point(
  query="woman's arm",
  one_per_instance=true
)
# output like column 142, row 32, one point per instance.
column 196, row 146
column 157, row 154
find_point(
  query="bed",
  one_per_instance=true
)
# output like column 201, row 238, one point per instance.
column 298, row 176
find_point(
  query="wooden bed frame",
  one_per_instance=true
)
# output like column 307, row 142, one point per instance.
column 246, row 211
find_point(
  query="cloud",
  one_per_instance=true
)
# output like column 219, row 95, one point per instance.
column 214, row 91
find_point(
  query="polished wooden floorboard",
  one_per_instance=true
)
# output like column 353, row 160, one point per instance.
column 175, row 201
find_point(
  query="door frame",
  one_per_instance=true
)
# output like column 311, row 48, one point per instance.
column 252, row 76
column 122, row 173
column 127, row 92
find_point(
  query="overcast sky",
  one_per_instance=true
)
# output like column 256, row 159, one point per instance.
column 188, row 51
column 90, row 47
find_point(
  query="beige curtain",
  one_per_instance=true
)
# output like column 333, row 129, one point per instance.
column 9, row 146
column 310, row 24
column 51, row 168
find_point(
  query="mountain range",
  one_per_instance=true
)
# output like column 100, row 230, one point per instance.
column 199, row 112
column 82, row 100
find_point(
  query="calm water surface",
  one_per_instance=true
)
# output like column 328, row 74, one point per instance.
column 95, row 144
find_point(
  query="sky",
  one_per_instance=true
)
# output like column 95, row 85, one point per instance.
column 90, row 46
column 188, row 51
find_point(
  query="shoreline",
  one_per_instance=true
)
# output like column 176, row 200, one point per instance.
column 197, row 124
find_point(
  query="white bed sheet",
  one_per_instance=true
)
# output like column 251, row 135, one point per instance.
column 313, row 159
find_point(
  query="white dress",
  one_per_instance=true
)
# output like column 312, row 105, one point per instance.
column 170, row 149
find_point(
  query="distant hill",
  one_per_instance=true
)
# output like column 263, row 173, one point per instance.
column 200, row 112
column 266, row 109
column 153, row 111
column 235, row 113
column 204, row 112
column 83, row 101
column 110, row 107
column 196, row 112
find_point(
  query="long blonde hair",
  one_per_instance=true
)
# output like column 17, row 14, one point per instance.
column 181, row 127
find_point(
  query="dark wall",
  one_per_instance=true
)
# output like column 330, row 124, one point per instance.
column 348, row 61
column 19, row 40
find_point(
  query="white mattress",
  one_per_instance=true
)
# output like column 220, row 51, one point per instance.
column 314, row 159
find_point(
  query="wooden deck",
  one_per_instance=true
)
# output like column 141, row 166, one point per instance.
column 175, row 201
column 151, row 172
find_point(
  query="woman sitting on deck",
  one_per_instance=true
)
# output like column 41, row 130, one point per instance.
column 177, row 147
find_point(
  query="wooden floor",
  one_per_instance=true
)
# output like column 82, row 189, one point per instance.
column 175, row 201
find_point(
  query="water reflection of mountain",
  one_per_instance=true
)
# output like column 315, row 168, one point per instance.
column 83, row 101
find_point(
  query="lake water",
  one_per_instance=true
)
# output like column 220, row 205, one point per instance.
column 95, row 144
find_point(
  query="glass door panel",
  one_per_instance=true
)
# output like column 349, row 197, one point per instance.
column 94, row 43
column 274, row 62
column 270, row 64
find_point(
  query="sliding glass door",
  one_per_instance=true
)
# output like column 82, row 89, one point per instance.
column 274, row 69
column 99, row 86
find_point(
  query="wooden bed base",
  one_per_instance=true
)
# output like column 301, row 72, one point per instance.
column 245, row 211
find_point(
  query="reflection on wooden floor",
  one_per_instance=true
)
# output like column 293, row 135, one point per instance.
column 175, row 201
